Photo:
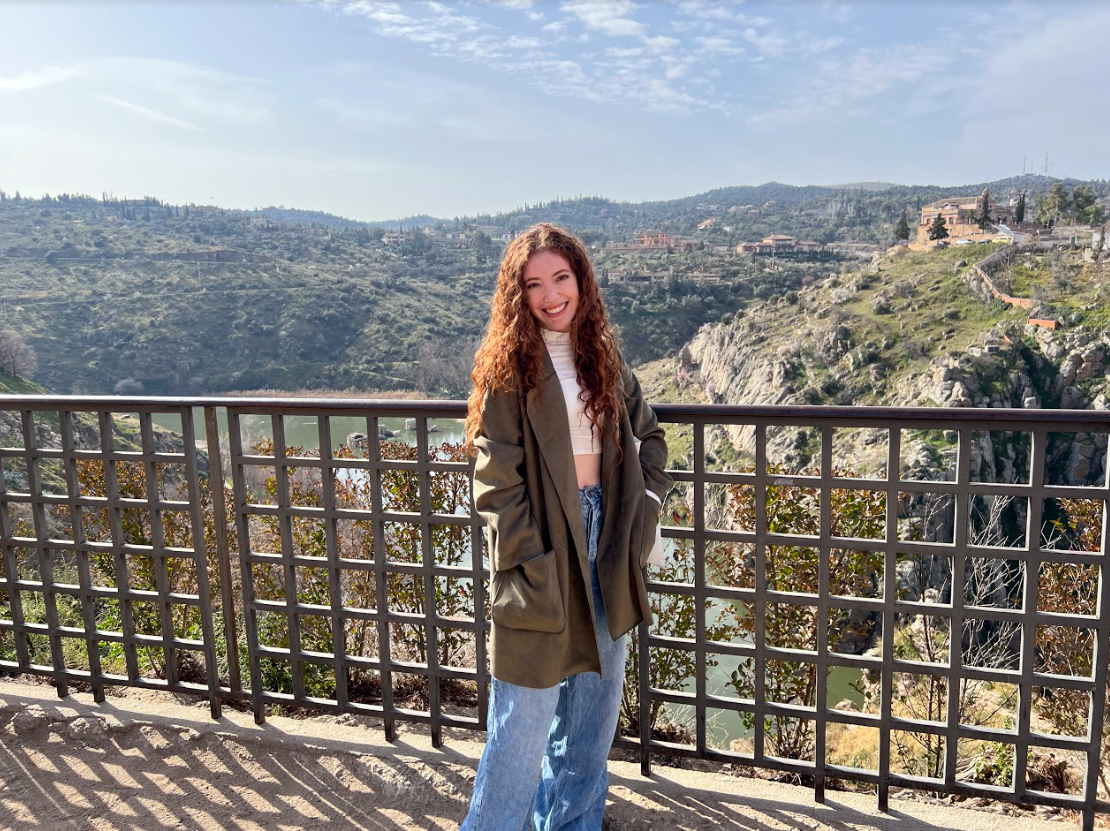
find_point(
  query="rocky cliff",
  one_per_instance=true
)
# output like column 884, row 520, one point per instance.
column 912, row 330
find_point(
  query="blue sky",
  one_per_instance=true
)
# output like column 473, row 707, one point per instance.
column 378, row 110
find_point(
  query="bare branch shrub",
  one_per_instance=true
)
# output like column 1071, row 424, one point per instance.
column 16, row 356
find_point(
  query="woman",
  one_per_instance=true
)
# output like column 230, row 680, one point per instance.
column 569, row 475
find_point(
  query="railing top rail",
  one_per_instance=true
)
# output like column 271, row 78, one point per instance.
column 860, row 415
column 120, row 403
column 998, row 418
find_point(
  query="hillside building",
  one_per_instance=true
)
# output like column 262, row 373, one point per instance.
column 779, row 244
column 961, row 216
column 653, row 241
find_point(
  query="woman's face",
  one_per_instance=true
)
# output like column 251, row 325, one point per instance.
column 551, row 290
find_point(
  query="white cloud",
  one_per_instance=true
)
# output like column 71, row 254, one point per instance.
column 40, row 78
column 770, row 44
column 1044, row 90
column 717, row 12
column 660, row 43
column 721, row 45
column 631, row 52
column 212, row 94
column 678, row 67
column 662, row 97
column 151, row 114
column 423, row 104
column 817, row 46
column 704, row 10
column 843, row 85
column 547, row 54
column 169, row 92
column 608, row 16
column 837, row 12
column 438, row 26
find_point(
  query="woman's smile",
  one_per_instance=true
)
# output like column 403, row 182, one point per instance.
column 551, row 289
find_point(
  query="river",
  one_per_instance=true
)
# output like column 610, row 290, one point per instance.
column 304, row 431
column 726, row 726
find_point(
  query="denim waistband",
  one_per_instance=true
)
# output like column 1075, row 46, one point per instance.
column 590, row 495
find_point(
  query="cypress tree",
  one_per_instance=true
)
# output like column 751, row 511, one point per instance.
column 902, row 229
column 938, row 230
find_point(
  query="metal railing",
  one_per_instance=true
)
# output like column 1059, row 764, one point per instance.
column 347, row 579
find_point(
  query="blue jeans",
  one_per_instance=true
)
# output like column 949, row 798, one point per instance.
column 546, row 754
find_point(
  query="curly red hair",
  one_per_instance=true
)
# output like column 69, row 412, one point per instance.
column 511, row 354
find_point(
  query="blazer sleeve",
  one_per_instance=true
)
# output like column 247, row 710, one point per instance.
column 653, row 442
column 500, row 495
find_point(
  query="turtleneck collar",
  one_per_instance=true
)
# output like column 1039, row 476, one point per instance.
column 551, row 338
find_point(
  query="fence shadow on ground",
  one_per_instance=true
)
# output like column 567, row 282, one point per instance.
column 135, row 763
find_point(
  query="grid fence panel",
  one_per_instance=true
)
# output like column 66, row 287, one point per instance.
column 337, row 564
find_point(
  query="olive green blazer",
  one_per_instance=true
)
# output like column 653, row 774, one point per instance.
column 526, row 489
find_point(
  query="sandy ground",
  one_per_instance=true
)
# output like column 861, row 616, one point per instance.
column 139, row 763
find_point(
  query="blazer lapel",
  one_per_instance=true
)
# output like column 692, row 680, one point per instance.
column 547, row 413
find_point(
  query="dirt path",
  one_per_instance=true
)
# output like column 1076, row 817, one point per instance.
column 142, row 762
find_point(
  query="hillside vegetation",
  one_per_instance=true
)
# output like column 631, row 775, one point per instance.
column 915, row 328
column 860, row 212
column 161, row 300
column 139, row 296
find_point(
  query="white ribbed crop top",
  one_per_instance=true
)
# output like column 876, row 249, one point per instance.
column 584, row 438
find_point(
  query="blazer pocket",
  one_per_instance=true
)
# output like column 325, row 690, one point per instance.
column 527, row 596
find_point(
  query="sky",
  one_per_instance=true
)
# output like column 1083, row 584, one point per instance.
column 378, row 110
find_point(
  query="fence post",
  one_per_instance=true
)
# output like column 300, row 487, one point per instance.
column 223, row 554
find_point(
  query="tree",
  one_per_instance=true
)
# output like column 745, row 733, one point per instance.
column 128, row 386
column 938, row 230
column 902, row 229
column 1103, row 245
column 485, row 249
column 444, row 365
column 1055, row 205
column 1085, row 205
column 983, row 215
column 1019, row 209
column 16, row 357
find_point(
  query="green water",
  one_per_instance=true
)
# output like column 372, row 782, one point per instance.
column 304, row 431
column 726, row 726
